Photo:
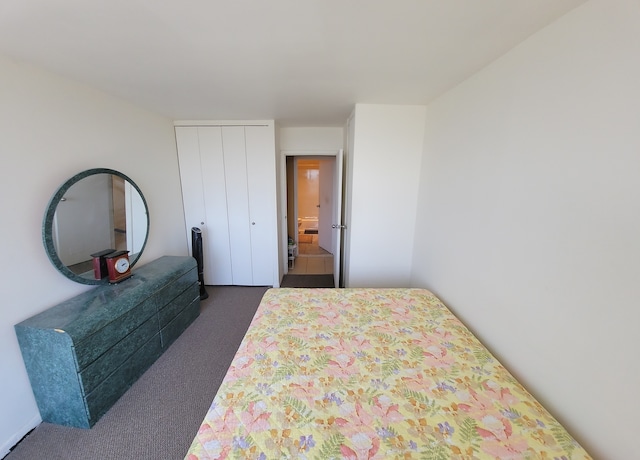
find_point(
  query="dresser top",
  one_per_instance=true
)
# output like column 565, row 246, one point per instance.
column 97, row 307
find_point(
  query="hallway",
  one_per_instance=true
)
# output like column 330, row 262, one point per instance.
column 311, row 259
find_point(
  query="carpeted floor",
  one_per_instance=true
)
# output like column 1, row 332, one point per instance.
column 159, row 416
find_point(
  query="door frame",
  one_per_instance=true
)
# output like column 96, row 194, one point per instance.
column 284, row 253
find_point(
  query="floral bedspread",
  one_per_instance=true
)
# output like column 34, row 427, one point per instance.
column 371, row 374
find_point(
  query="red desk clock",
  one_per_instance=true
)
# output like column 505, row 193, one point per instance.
column 118, row 266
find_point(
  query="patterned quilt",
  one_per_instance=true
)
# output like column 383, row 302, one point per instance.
column 371, row 374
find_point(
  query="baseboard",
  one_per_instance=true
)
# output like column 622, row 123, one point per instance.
column 16, row 438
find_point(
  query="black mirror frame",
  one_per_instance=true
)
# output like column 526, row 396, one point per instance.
column 47, row 225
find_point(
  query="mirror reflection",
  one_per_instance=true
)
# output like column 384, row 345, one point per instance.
column 96, row 210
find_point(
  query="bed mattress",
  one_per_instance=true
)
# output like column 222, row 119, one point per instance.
column 371, row 374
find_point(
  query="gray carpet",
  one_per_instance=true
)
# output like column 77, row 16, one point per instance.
column 159, row 416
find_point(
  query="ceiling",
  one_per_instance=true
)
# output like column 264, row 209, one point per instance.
column 300, row 62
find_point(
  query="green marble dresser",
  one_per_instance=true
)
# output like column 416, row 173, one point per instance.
column 83, row 354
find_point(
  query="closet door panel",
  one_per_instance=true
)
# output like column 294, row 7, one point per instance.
column 215, row 232
column 262, row 202
column 190, row 178
column 235, row 169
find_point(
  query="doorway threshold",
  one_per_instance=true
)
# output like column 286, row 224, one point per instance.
column 307, row 281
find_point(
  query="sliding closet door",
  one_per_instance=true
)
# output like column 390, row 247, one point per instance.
column 190, row 179
column 235, row 169
column 216, row 234
column 204, row 198
column 262, row 206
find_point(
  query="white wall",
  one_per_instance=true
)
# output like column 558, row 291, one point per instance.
column 51, row 129
column 529, row 217
column 310, row 139
column 384, row 171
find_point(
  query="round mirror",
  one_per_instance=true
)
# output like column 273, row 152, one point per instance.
column 95, row 212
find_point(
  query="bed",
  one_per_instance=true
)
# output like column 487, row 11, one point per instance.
column 371, row 374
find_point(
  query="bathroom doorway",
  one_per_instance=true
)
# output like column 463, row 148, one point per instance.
column 312, row 205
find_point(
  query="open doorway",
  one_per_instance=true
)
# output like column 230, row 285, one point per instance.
column 313, row 213
column 310, row 201
column 314, row 204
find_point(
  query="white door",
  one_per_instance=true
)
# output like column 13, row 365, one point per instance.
column 235, row 171
column 199, row 150
column 190, row 178
column 325, row 202
column 337, row 218
column 215, row 230
column 261, row 173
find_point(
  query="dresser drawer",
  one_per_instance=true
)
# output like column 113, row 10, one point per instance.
column 175, row 327
column 177, row 304
column 89, row 349
column 109, row 391
column 108, row 362
column 175, row 288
